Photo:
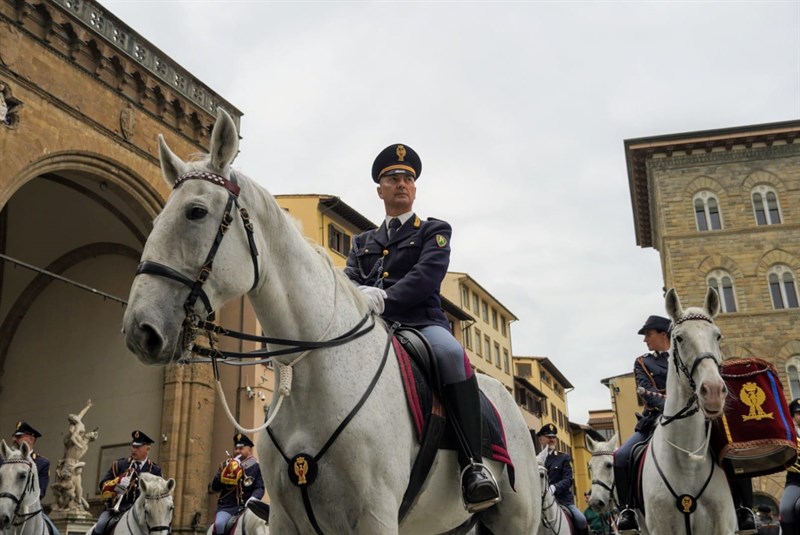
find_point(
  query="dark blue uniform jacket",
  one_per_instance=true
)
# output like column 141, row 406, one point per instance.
column 650, row 372
column 410, row 267
column 118, row 468
column 228, row 496
column 559, row 474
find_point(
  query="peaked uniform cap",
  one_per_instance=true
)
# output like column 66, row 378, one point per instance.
column 656, row 322
column 24, row 428
column 794, row 406
column 140, row 439
column 240, row 440
column 397, row 158
column 548, row 430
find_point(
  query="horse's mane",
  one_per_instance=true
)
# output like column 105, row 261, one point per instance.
column 292, row 224
column 156, row 485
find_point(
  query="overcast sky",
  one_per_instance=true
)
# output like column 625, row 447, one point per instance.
column 518, row 111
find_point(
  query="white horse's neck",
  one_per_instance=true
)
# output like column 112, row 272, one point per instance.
column 299, row 295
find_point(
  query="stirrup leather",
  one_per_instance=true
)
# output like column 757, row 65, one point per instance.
column 479, row 506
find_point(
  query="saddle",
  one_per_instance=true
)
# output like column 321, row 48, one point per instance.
column 638, row 454
column 260, row 509
column 423, row 394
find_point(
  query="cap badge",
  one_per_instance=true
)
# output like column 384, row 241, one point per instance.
column 136, row 434
column 239, row 436
column 441, row 241
column 401, row 153
column 19, row 424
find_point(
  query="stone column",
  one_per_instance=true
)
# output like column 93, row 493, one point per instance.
column 188, row 415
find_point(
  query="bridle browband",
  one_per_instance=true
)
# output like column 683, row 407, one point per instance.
column 691, row 406
column 599, row 482
column 193, row 324
column 21, row 518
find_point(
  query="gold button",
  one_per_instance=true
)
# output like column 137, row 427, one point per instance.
column 411, row 243
column 385, row 274
column 385, row 252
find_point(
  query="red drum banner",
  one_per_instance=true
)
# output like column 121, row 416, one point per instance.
column 756, row 434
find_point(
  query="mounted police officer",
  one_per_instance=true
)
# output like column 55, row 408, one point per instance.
column 650, row 372
column 400, row 267
column 119, row 486
column 238, row 481
column 24, row 432
column 559, row 475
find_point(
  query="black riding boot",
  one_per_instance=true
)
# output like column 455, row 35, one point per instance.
column 626, row 520
column 464, row 408
column 742, row 492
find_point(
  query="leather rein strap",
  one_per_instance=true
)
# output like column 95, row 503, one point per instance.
column 194, row 324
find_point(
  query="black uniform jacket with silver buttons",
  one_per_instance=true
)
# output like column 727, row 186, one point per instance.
column 410, row 267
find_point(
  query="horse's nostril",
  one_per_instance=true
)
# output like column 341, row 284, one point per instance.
column 152, row 341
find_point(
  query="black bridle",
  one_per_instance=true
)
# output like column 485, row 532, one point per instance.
column 600, row 482
column 691, row 406
column 193, row 324
column 146, row 523
column 21, row 518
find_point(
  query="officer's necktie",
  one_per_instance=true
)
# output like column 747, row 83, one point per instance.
column 394, row 224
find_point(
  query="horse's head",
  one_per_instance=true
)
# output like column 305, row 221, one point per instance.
column 156, row 502
column 19, row 482
column 696, row 353
column 601, row 470
column 175, row 282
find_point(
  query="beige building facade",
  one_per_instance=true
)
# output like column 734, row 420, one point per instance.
column 720, row 206
column 548, row 379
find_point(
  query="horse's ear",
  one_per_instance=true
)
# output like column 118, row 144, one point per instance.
column 673, row 303
column 4, row 449
column 171, row 166
column 712, row 304
column 25, row 449
column 143, row 484
column 224, row 141
column 170, row 485
column 589, row 441
column 542, row 456
column 614, row 442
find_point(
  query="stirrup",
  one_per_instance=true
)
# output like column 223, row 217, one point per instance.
column 479, row 506
column 631, row 531
column 749, row 531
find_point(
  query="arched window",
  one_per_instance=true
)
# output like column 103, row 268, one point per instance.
column 793, row 374
column 706, row 211
column 782, row 287
column 765, row 206
column 722, row 282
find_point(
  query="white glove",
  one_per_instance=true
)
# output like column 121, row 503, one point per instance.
column 552, row 489
column 123, row 485
column 375, row 297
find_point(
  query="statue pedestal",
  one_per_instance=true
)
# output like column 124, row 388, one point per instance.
column 72, row 522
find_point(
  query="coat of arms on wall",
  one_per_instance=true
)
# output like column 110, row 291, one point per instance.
column 127, row 122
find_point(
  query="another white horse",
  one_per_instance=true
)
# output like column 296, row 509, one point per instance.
column 554, row 518
column 685, row 491
column 601, row 470
column 342, row 446
column 248, row 524
column 20, row 509
column 151, row 513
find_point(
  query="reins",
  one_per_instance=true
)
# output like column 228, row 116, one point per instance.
column 193, row 324
column 555, row 528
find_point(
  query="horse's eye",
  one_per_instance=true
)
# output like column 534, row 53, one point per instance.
column 719, row 337
column 196, row 212
column 609, row 465
column 679, row 339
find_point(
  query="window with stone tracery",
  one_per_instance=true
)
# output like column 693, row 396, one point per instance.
column 706, row 211
column 722, row 282
column 782, row 287
column 765, row 205
column 793, row 374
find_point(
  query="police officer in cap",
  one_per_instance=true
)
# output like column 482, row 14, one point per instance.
column 119, row 486
column 238, row 481
column 790, row 501
column 559, row 475
column 24, row 432
column 399, row 267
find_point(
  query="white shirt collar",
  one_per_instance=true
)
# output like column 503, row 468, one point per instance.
column 402, row 217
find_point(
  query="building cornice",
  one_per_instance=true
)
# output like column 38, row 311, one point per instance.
column 693, row 148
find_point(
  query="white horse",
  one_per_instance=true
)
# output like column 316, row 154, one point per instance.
column 20, row 509
column 248, row 524
column 554, row 517
column 601, row 470
column 685, row 491
column 151, row 513
column 341, row 449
